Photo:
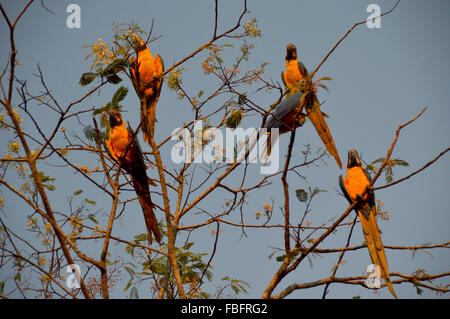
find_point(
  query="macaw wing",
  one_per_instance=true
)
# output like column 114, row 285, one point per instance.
column 285, row 107
column 368, row 175
column 110, row 150
column 283, row 78
column 136, row 153
column 149, row 101
column 160, row 61
column 370, row 194
column 157, row 83
column 344, row 189
column 302, row 69
column 317, row 119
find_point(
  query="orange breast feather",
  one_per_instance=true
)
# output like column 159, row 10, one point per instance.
column 356, row 182
column 292, row 72
column 119, row 139
column 146, row 64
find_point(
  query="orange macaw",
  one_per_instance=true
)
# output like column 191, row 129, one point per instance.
column 119, row 141
column 148, row 88
column 295, row 69
column 296, row 72
column 353, row 186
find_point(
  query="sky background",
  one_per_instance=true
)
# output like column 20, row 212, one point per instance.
column 381, row 79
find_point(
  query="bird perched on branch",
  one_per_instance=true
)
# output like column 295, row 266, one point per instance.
column 295, row 69
column 125, row 149
column 354, row 187
column 293, row 110
column 145, row 74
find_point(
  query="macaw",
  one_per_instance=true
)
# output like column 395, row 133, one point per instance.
column 295, row 69
column 148, row 88
column 287, row 111
column 353, row 186
column 283, row 117
column 119, row 141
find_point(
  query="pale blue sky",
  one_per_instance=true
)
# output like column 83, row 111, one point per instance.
column 381, row 78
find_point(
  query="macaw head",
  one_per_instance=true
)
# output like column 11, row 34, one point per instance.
column 115, row 119
column 137, row 41
column 291, row 52
column 353, row 159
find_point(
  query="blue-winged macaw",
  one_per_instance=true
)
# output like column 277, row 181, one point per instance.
column 119, row 140
column 285, row 117
column 353, row 187
column 287, row 112
column 142, row 71
column 295, row 69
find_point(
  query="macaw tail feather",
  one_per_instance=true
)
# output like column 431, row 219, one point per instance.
column 149, row 99
column 375, row 246
column 148, row 118
column 317, row 119
column 268, row 147
column 140, row 184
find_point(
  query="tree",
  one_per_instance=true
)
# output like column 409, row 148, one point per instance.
column 82, row 231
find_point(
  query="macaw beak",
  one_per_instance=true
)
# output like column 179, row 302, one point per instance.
column 115, row 119
column 291, row 52
column 353, row 159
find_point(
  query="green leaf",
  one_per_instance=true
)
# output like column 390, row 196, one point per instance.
column 118, row 65
column 389, row 175
column 141, row 237
column 119, row 95
column 188, row 245
column 401, row 162
column 316, row 191
column 113, row 78
column 92, row 218
column 379, row 160
column 326, row 78
column 271, row 254
column 302, row 195
column 44, row 178
column 89, row 133
column 234, row 119
column 78, row 192
column 130, row 249
column 50, row 187
column 324, row 87
column 87, row 78
column 130, row 271
column 204, row 295
column 89, row 201
column 134, row 293
column 128, row 285
column 100, row 110
column 418, row 290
